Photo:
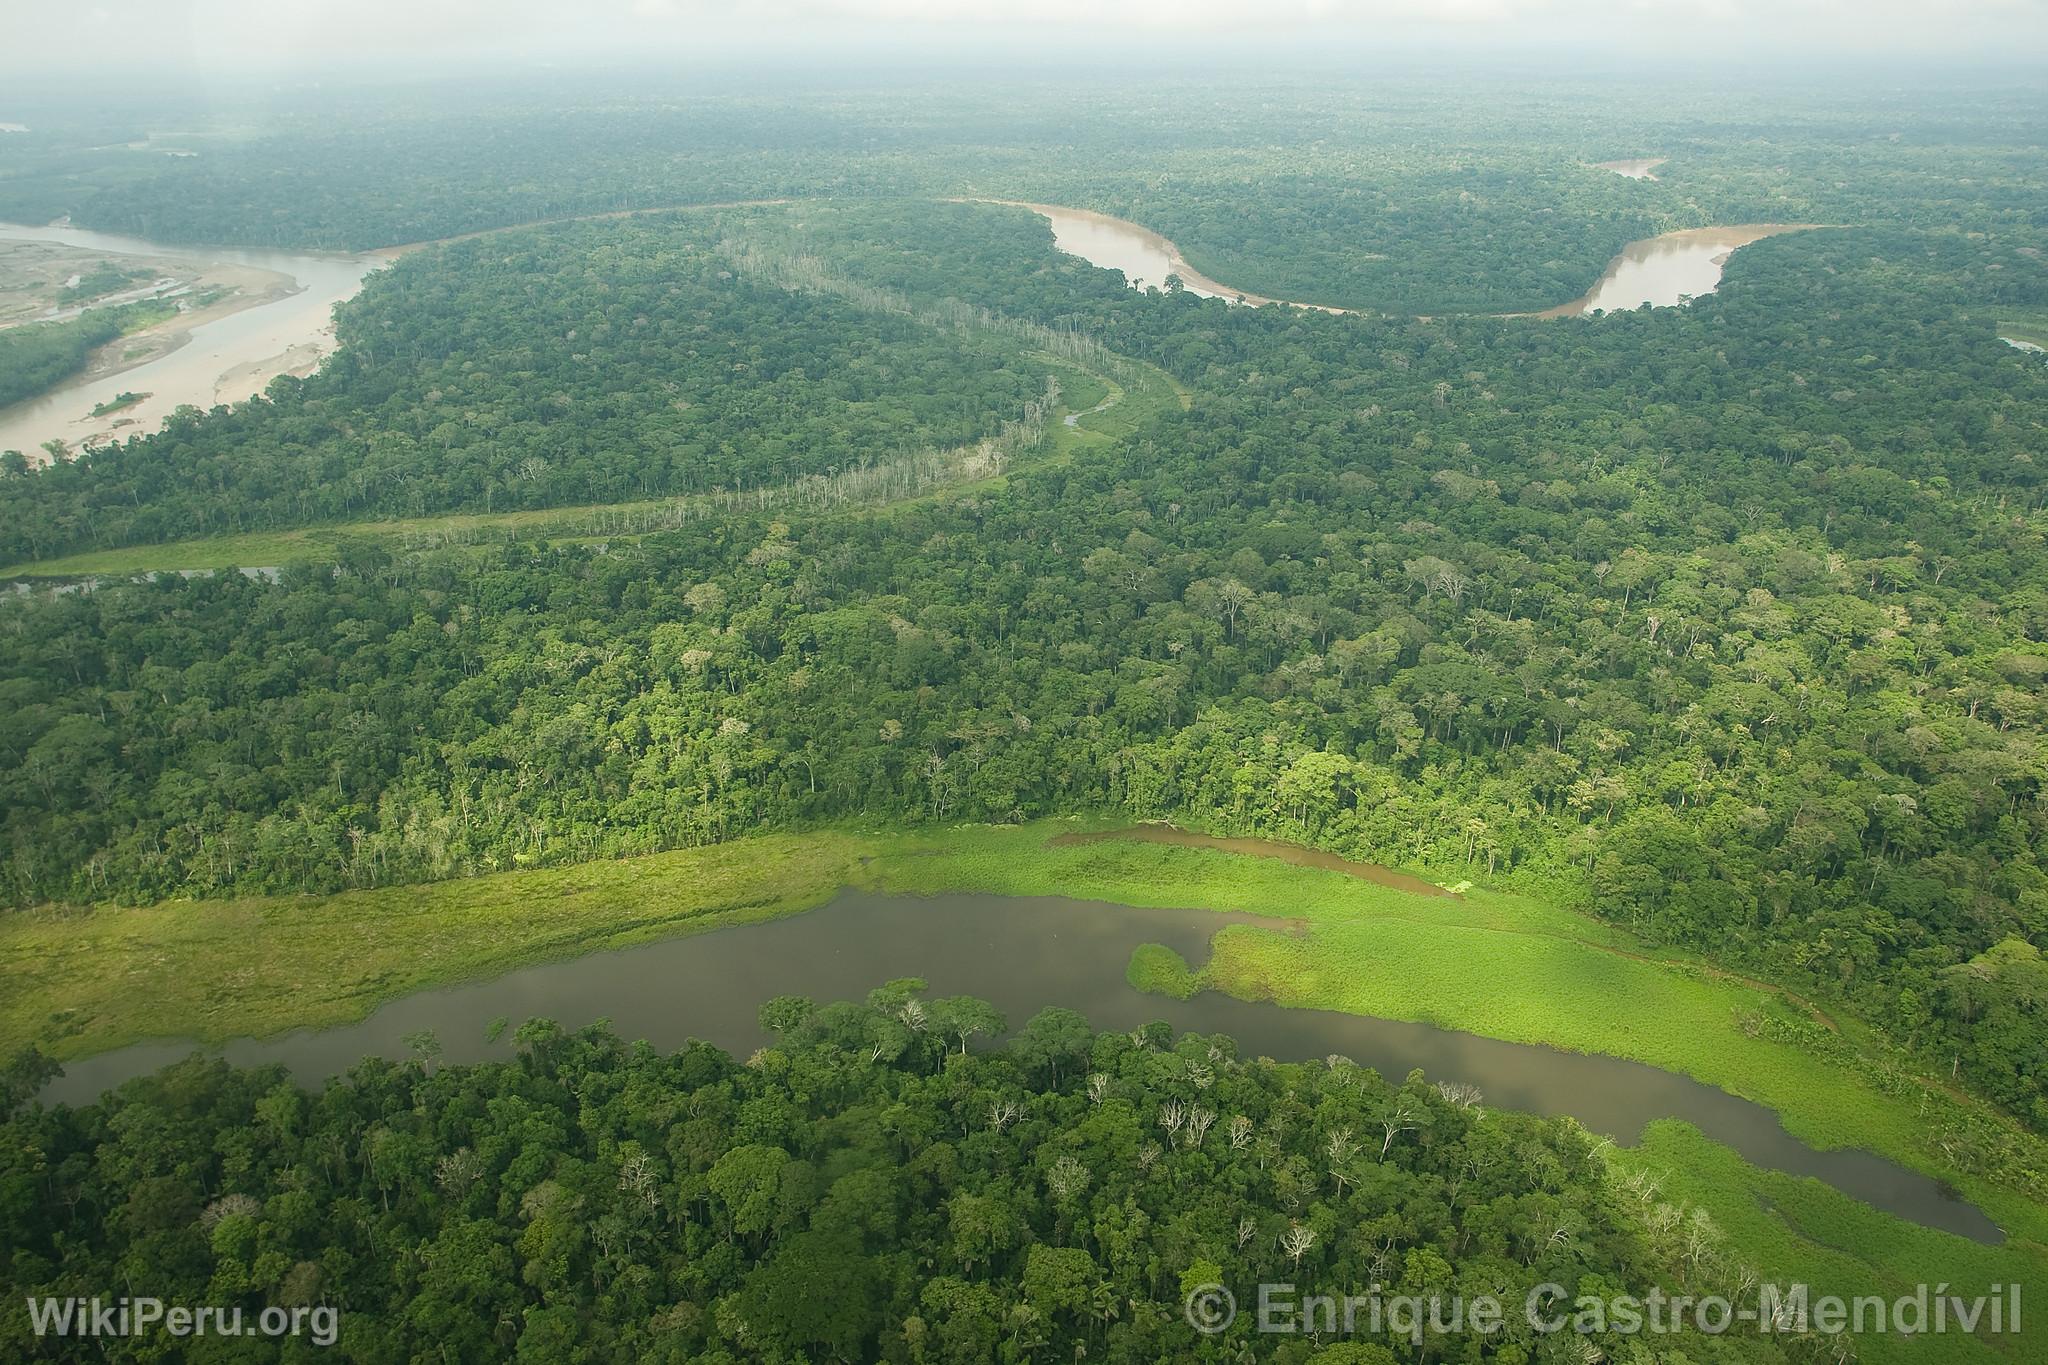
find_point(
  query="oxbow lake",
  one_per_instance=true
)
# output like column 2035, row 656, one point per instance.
column 1022, row 954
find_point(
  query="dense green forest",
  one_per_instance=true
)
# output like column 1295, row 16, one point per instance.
column 1618, row 609
column 1458, row 192
column 37, row 355
column 873, row 1186
column 492, row 376
column 721, row 468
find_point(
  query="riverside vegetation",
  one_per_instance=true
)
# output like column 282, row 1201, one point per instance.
column 1495, row 963
column 36, row 355
column 1379, row 589
column 871, row 1187
column 1726, row 624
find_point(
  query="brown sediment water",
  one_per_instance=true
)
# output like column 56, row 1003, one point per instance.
column 1638, row 168
column 1145, row 257
column 1668, row 269
column 1660, row 271
column 280, row 320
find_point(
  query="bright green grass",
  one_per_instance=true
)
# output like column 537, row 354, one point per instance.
column 1156, row 969
column 1497, row 964
column 1535, row 988
column 1502, row 965
column 211, row 970
column 1795, row 1230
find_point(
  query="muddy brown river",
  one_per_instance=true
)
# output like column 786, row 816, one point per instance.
column 225, row 359
column 1145, row 258
column 1668, row 269
column 1661, row 271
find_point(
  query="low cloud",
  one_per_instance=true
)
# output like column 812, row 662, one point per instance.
column 257, row 33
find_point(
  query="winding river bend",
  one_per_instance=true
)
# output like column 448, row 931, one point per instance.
column 230, row 352
column 1024, row 953
column 1146, row 258
column 1668, row 269
column 1661, row 271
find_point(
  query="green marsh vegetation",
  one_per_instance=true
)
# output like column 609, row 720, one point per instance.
column 1802, row 1231
column 1160, row 970
column 1494, row 963
column 1706, row 643
column 869, row 1187
column 1379, row 587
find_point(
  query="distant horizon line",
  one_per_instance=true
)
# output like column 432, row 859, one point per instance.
column 940, row 64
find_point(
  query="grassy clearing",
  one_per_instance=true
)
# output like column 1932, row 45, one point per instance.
column 2033, row 331
column 86, row 982
column 255, row 549
column 1502, row 965
column 1794, row 1230
column 1132, row 397
column 324, row 543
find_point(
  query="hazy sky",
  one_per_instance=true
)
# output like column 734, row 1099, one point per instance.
column 262, row 35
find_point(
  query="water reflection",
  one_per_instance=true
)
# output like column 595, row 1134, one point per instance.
column 1023, row 953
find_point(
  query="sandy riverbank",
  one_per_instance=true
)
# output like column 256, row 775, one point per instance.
column 1147, row 243
column 1639, row 168
column 1667, row 269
